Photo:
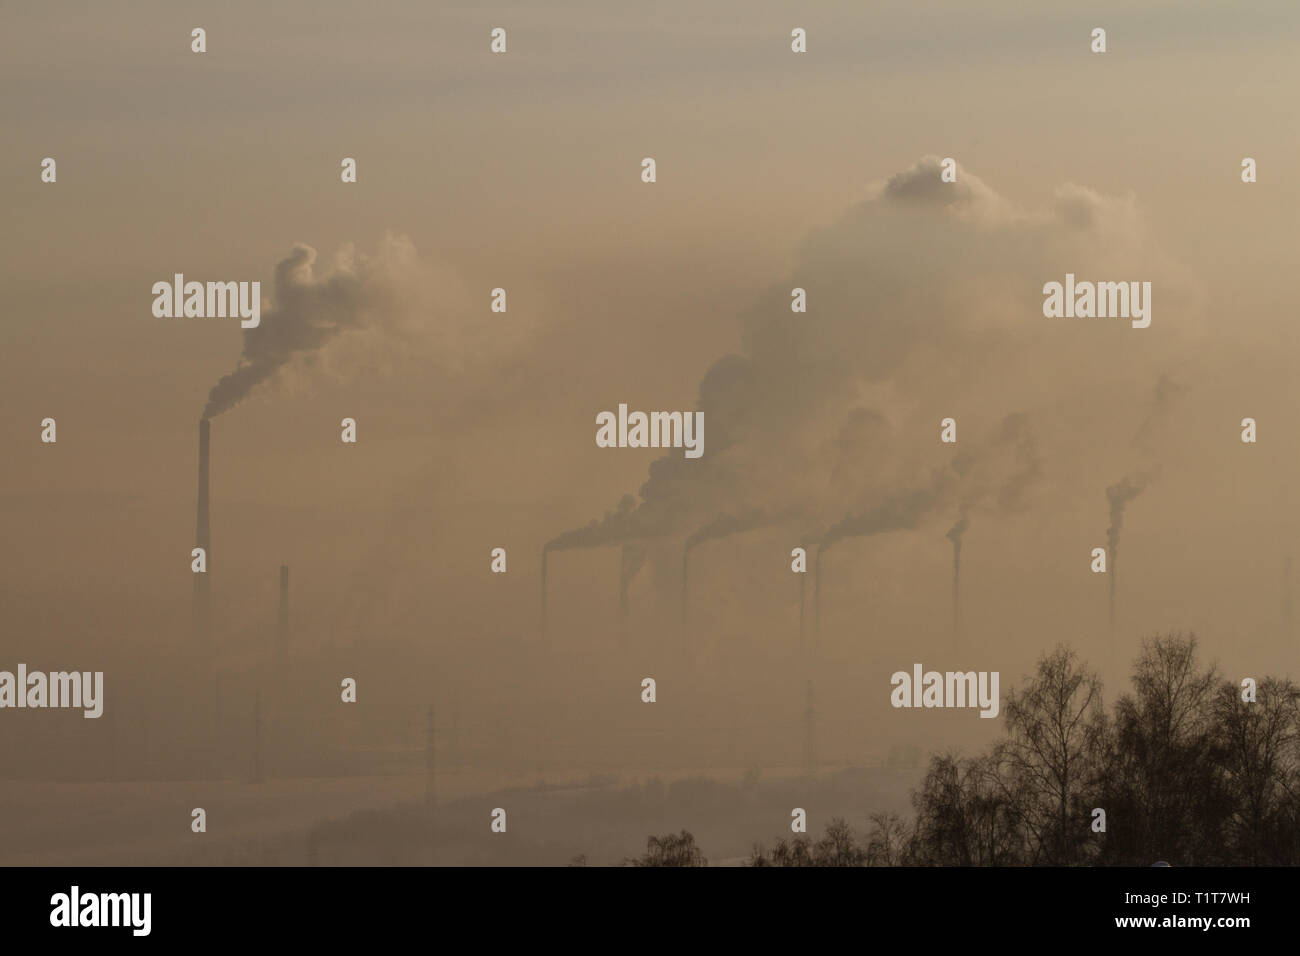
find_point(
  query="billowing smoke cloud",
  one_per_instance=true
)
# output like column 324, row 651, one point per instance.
column 786, row 419
column 308, row 313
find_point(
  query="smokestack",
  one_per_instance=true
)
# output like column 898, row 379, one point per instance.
column 809, row 739
column 545, row 555
column 1288, row 619
column 428, row 759
column 218, row 755
column 1112, row 599
column 452, row 749
column 1119, row 495
column 282, row 635
column 956, row 587
column 803, row 587
column 622, row 611
column 257, row 737
column 624, row 582
column 954, row 535
column 817, row 597
column 686, row 596
column 631, row 557
column 202, row 604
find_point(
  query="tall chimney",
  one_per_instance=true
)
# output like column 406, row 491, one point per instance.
column 624, row 602
column 623, row 608
column 202, row 605
column 1113, row 573
column 686, row 576
column 1288, row 609
column 257, row 737
column 803, row 588
column 430, row 797
column 218, row 756
column 545, row 555
column 817, row 596
column 282, row 635
column 429, row 758
column 956, row 587
column 809, row 731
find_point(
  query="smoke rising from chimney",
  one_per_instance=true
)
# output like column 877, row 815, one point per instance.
column 1122, row 492
column 616, row 527
column 308, row 313
column 772, row 408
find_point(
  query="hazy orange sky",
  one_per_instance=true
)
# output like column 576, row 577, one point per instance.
column 523, row 171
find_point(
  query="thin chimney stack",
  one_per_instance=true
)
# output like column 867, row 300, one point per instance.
column 202, row 604
column 282, row 634
column 809, row 732
column 545, row 556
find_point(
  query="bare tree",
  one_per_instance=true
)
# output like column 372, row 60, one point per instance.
column 670, row 850
column 1055, row 725
column 964, row 816
column 838, row 847
column 888, row 842
column 1161, row 784
column 1258, row 740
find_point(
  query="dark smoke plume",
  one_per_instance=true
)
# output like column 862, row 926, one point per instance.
column 619, row 525
column 308, row 313
column 898, row 513
column 725, row 525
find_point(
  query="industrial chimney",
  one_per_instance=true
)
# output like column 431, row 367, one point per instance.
column 1288, row 609
column 817, row 596
column 956, row 587
column 809, row 732
column 282, row 635
column 429, row 758
column 686, row 594
column 202, row 606
column 803, row 587
column 257, row 737
column 545, row 555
